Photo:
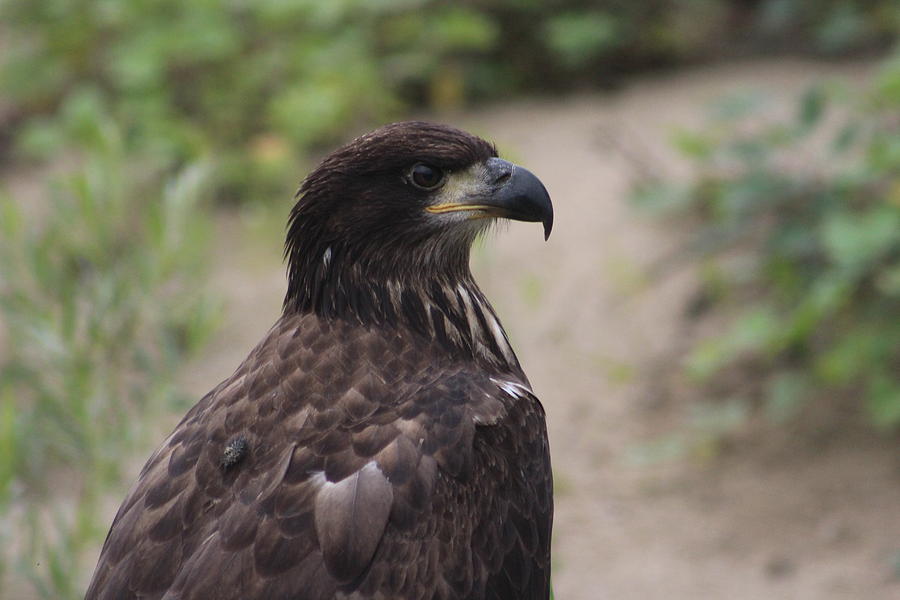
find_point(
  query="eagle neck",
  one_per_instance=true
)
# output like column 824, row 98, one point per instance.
column 448, row 307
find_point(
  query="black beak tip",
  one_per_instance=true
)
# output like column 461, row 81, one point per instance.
column 522, row 196
column 546, row 213
column 544, row 207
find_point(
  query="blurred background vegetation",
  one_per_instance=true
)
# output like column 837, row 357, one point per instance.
column 798, row 234
column 140, row 117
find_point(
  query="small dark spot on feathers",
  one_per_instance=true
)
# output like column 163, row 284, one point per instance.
column 235, row 451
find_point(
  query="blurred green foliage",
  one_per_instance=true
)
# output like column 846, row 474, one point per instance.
column 100, row 301
column 798, row 228
column 258, row 84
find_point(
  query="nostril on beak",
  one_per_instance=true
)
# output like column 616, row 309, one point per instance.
column 503, row 177
column 499, row 171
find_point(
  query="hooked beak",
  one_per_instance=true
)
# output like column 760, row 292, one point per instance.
column 510, row 192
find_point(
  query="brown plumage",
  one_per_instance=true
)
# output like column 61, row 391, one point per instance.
column 382, row 440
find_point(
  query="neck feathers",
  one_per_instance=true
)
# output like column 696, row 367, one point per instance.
column 448, row 308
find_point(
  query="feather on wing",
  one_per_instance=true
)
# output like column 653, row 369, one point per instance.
column 350, row 519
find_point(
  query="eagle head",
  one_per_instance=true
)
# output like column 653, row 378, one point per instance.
column 401, row 205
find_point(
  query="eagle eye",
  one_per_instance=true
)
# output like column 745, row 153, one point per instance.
column 426, row 177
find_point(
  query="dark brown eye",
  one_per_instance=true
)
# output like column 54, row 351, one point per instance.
column 425, row 176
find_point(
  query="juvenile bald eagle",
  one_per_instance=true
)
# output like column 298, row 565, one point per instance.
column 381, row 441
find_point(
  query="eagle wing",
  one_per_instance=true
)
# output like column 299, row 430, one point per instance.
column 339, row 459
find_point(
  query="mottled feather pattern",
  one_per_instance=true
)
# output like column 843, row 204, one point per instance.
column 400, row 434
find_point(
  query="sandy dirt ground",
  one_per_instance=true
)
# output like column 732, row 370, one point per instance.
column 810, row 511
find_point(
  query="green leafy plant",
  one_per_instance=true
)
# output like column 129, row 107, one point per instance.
column 798, row 228
column 257, row 84
column 262, row 84
column 100, row 301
